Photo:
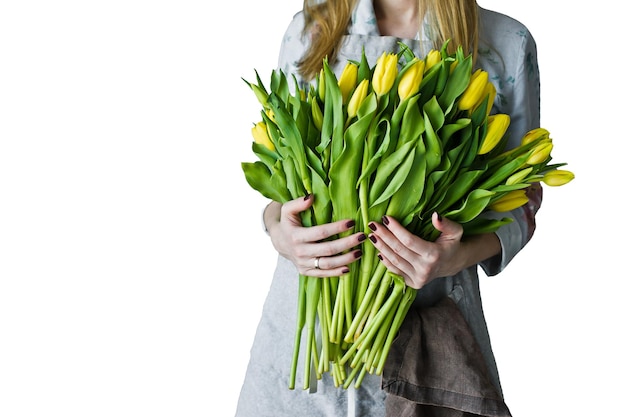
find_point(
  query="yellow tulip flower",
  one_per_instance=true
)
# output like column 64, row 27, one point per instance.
column 535, row 134
column 497, row 124
column 433, row 58
column 540, row 153
column 260, row 135
column 347, row 80
column 410, row 82
column 357, row 98
column 474, row 91
column 385, row 73
column 510, row 201
column 557, row 177
column 489, row 93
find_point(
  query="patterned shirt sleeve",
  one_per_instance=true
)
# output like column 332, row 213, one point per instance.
column 518, row 95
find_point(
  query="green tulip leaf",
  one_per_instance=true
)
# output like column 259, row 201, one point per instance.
column 293, row 178
column 457, row 83
column 413, row 124
column 371, row 164
column 379, row 195
column 259, row 177
column 266, row 155
column 459, row 188
column 433, row 145
column 504, row 188
column 474, row 204
column 503, row 172
column 322, row 207
column 482, row 225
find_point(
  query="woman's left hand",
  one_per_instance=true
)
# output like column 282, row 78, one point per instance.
column 417, row 260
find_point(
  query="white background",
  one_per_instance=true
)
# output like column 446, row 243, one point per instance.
column 133, row 267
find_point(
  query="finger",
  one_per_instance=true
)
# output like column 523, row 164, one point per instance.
column 449, row 229
column 337, row 246
column 334, row 255
column 391, row 251
column 334, row 265
column 322, row 233
column 396, row 236
column 291, row 209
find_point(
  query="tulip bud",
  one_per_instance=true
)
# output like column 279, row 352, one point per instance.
column 474, row 91
column 518, row 176
column 357, row 98
column 318, row 116
column 509, row 201
column 453, row 65
column 540, row 153
column 260, row 94
column 385, row 73
column 260, row 135
column 497, row 125
column 410, row 82
column 433, row 58
column 271, row 115
column 347, row 81
column 321, row 88
column 535, row 134
column 557, row 177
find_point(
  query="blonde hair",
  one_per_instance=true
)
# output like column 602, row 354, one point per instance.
column 327, row 21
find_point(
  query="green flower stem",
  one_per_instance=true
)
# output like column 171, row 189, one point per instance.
column 337, row 378
column 405, row 304
column 352, row 376
column 348, row 296
column 362, row 374
column 312, row 298
column 381, row 337
column 337, row 316
column 300, row 321
column 368, row 250
column 371, row 290
column 324, row 363
column 326, row 311
column 383, row 290
column 366, row 338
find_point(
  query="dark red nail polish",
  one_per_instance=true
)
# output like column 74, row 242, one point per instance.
column 350, row 224
column 372, row 226
column 307, row 196
column 439, row 217
column 362, row 237
column 385, row 220
column 380, row 256
column 345, row 270
column 358, row 254
column 373, row 239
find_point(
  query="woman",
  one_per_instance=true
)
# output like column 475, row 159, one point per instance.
column 446, row 269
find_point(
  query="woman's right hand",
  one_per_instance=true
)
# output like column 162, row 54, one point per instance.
column 309, row 248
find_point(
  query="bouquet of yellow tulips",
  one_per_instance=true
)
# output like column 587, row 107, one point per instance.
column 407, row 137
